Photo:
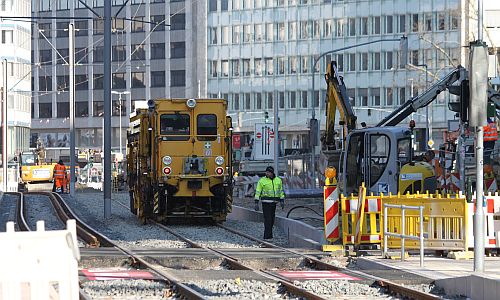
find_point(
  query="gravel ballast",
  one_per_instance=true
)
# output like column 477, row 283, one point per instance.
column 39, row 208
column 8, row 205
column 214, row 237
column 256, row 229
column 126, row 289
column 238, row 289
column 123, row 227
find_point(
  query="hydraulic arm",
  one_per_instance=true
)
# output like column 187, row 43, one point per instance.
column 423, row 99
column 337, row 99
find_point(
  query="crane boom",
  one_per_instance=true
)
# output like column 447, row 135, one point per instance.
column 424, row 99
column 337, row 99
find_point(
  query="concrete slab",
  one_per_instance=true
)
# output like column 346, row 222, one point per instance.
column 300, row 234
column 189, row 275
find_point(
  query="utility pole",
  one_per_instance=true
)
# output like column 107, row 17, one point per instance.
column 5, row 124
column 107, row 109
column 276, row 136
column 478, row 117
column 72, row 151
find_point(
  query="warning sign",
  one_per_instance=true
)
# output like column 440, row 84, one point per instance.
column 264, row 141
column 258, row 135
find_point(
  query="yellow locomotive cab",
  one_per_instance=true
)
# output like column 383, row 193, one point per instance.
column 179, row 156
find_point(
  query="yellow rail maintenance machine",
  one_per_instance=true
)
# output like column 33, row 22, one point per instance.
column 179, row 160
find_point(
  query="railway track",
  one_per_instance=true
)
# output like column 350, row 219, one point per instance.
column 12, row 210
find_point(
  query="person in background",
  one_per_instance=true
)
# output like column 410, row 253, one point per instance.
column 269, row 191
column 60, row 177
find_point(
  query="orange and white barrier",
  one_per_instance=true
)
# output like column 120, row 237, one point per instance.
column 492, row 234
column 453, row 182
column 331, row 198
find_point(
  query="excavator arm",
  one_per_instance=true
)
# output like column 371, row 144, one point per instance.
column 424, row 99
column 336, row 99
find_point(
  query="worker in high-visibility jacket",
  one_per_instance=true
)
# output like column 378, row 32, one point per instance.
column 60, row 176
column 490, row 137
column 269, row 191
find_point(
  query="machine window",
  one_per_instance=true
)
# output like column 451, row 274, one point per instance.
column 175, row 126
column 404, row 151
column 380, row 146
column 27, row 159
column 354, row 168
column 206, row 127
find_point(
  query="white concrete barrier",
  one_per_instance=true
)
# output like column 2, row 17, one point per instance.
column 39, row 264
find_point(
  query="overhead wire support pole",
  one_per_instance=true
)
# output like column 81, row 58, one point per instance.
column 72, row 162
column 107, row 110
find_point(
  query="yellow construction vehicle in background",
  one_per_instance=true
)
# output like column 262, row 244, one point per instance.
column 179, row 159
column 380, row 156
column 34, row 168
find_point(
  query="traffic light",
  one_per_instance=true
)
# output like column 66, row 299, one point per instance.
column 266, row 116
column 462, row 91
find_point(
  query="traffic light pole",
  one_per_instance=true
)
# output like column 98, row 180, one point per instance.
column 107, row 110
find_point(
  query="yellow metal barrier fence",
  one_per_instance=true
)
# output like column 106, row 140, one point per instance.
column 445, row 221
column 369, row 231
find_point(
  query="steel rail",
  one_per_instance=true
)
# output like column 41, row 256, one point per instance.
column 181, row 288
column 391, row 286
column 20, row 212
column 289, row 286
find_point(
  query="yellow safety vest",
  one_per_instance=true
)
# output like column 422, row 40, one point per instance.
column 269, row 190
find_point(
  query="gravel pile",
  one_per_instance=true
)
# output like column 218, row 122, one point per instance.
column 8, row 205
column 256, row 229
column 123, row 227
column 236, row 289
column 126, row 289
column 342, row 289
column 215, row 237
column 40, row 208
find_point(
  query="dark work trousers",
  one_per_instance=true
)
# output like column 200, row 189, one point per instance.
column 269, row 211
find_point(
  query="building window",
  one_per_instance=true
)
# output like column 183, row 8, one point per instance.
column 119, row 81
column 63, row 83
column 236, row 4
column 81, row 56
column 159, row 23
column 157, row 78
column 441, row 21
column 225, row 35
column 389, row 24
column 119, row 53
column 414, row 57
column 44, row 110
column 316, row 98
column 364, row 61
column 376, row 25
column 328, row 28
column 454, row 22
column 138, row 80
column 269, row 66
column 280, row 34
column 63, row 109
column 316, row 29
column 118, row 108
column 44, row 30
column 247, row 101
column 177, row 49
column 98, row 81
column 375, row 93
column 62, row 29
column 225, row 68
column 305, row 31
column 292, row 68
column 340, row 62
column 62, row 56
column 352, row 62
column 340, row 30
column 304, row 64
column 258, row 101
column 364, row 26
column 118, row 25
column 82, row 28
column 247, row 34
column 402, row 24
column 293, row 100
column 259, row 36
column 212, row 5
column 45, row 83
column 98, row 26
column 352, row 26
column 214, row 68
column 363, row 97
column 224, row 5
column 45, row 56
column 236, row 102
column 402, row 95
column 281, row 65
column 389, row 97
column 236, row 34
column 414, row 23
column 304, row 99
column 246, row 67
column 178, row 78
column 269, row 32
column 81, row 82
column 389, row 60
column 157, row 50
column 81, row 109
column 258, row 66
column 98, row 108
column 137, row 24
column 98, row 54
column 212, row 35
column 178, row 22
column 376, row 61
column 281, row 100
column 235, row 67
column 137, row 52
column 270, row 100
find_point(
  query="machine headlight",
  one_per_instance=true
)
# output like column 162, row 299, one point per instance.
column 167, row 160
column 219, row 160
column 191, row 103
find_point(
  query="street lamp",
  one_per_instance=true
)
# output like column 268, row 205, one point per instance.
column 120, row 100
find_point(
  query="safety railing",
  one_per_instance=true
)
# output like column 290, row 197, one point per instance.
column 403, row 234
